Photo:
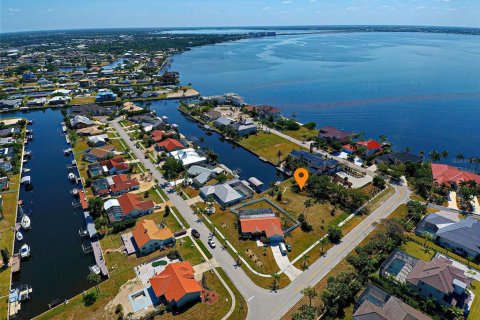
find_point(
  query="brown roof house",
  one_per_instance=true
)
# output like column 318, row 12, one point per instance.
column 376, row 304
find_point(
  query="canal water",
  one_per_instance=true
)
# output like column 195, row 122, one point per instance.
column 233, row 156
column 57, row 268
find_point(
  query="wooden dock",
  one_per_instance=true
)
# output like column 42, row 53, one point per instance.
column 97, row 252
column 15, row 263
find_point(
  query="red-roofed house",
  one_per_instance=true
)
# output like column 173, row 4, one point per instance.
column 116, row 165
column 371, row 146
column 122, row 184
column 128, row 206
column 258, row 226
column 445, row 174
column 176, row 285
column 158, row 135
column 169, row 145
column 149, row 237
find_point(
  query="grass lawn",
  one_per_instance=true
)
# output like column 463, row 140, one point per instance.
column 475, row 310
column 180, row 217
column 119, row 144
column 191, row 192
column 153, row 195
column 267, row 145
column 81, row 145
column 418, row 251
column 83, row 100
column 302, row 133
column 381, row 198
column 241, row 307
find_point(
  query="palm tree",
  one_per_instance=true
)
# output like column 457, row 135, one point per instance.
column 275, row 277
column 459, row 157
column 407, row 149
column 421, row 154
column 383, row 138
column 445, row 154
column 310, row 293
column 434, row 155
column 279, row 155
column 307, row 204
column 457, row 313
column 305, row 261
column 323, row 242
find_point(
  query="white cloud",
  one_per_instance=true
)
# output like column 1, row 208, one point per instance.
column 351, row 8
column 287, row 1
column 267, row 9
column 49, row 10
column 14, row 10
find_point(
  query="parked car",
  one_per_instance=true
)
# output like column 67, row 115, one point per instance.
column 195, row 233
column 283, row 249
column 289, row 247
column 211, row 243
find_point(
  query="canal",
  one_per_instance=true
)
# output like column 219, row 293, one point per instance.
column 57, row 268
column 245, row 163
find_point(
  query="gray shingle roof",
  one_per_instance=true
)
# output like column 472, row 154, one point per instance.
column 466, row 233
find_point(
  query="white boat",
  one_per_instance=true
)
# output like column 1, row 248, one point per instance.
column 19, row 236
column 25, row 251
column 25, row 223
column 74, row 192
column 95, row 269
column 72, row 176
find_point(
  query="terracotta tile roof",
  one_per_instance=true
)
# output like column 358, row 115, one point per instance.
column 175, row 281
column 270, row 225
column 170, row 144
column 130, row 201
column 370, row 144
column 443, row 173
column 83, row 199
column 393, row 309
column 121, row 182
column 157, row 135
column 117, row 162
column 147, row 230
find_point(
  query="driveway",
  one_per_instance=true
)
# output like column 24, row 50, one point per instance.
column 284, row 263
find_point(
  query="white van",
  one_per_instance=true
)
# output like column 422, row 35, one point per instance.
column 282, row 247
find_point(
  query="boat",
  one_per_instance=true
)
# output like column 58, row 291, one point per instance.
column 25, row 251
column 74, row 192
column 26, row 180
column 25, row 223
column 19, row 236
column 25, row 170
column 54, row 303
column 28, row 153
column 95, row 269
column 72, row 176
column 67, row 151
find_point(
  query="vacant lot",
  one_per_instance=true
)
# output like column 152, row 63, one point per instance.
column 268, row 146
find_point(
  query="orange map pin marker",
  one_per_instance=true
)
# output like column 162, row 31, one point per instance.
column 301, row 177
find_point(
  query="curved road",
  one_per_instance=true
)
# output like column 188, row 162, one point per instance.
column 263, row 303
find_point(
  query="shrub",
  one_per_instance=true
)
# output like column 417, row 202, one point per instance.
column 89, row 299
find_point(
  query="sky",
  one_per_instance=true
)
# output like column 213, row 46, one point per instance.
column 26, row 15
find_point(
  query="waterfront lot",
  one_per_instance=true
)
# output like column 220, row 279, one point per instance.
column 302, row 133
column 268, row 146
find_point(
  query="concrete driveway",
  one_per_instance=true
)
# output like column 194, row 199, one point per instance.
column 284, row 263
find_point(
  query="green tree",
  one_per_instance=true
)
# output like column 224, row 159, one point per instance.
column 95, row 206
column 334, row 234
column 275, row 278
column 93, row 277
column 5, row 256
column 310, row 293
column 89, row 299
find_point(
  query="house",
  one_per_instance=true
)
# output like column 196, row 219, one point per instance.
column 149, row 237
column 79, row 122
column 433, row 222
column 10, row 103
column 38, row 102
column 244, row 127
column 212, row 115
column 169, row 145
column 99, row 153
column 5, row 165
column 59, row 100
column 7, row 132
column 128, row 206
column 451, row 176
column 438, row 279
column 264, row 224
column 398, row 158
column 376, row 304
column 96, row 170
column 159, row 135
column 315, row 163
column 121, row 184
column 188, row 157
column 201, row 175
column 330, row 134
column 4, row 184
column 116, row 165
column 228, row 193
column 100, row 187
column 462, row 237
column 371, row 146
column 29, row 77
column 176, row 285
column 98, row 140
column 268, row 112
column 105, row 95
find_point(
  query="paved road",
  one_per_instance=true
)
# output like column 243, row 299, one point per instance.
column 262, row 303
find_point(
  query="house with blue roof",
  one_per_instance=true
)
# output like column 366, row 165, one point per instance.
column 462, row 237
column 105, row 95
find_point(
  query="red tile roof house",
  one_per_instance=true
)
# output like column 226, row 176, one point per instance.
column 267, row 112
column 122, row 184
column 451, row 176
column 176, row 285
column 169, row 145
column 159, row 135
column 148, row 237
column 371, row 147
column 99, row 153
column 440, row 280
column 256, row 226
column 128, row 206
column 116, row 165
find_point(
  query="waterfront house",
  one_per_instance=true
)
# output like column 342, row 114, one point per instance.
column 398, row 158
column 439, row 280
column 100, row 187
column 10, row 103
column 201, row 175
column 159, row 135
column 79, row 122
column 268, row 112
column 314, row 162
column 105, row 95
column 99, row 153
column 148, row 237
column 116, row 165
column 244, row 127
column 121, row 184
column 8, row 132
column 59, row 100
column 188, row 157
column 5, row 165
column 169, row 145
column 228, row 193
column 4, row 184
column 376, row 304
column 128, row 206
column 222, row 122
column 5, row 141
column 98, row 140
column 37, row 102
column 451, row 176
column 462, row 237
column 330, row 134
column 211, row 115
column 176, row 285
column 96, row 170
column 260, row 223
column 370, row 147
column 432, row 223
column 93, row 110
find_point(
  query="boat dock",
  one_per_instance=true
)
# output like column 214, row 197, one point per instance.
column 16, row 297
column 15, row 263
column 97, row 252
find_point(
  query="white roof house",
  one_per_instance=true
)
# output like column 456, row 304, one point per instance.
column 112, row 203
column 188, row 156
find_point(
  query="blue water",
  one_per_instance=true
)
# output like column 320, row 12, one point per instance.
column 111, row 65
column 57, row 268
column 421, row 90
